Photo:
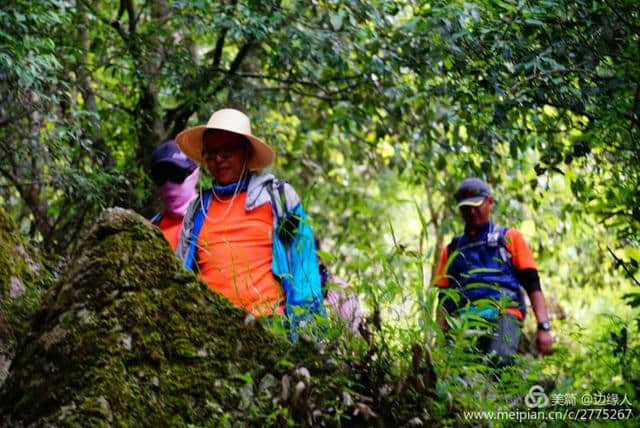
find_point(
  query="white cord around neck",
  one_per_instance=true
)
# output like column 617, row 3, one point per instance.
column 229, row 202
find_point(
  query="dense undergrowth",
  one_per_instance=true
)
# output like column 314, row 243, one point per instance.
column 596, row 329
column 401, row 369
column 376, row 111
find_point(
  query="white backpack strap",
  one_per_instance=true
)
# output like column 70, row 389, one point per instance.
column 283, row 198
column 500, row 232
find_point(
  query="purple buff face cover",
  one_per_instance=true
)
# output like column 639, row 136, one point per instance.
column 176, row 196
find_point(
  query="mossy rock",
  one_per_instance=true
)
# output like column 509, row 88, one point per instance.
column 127, row 337
column 21, row 289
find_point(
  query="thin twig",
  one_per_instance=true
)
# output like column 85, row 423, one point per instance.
column 624, row 266
column 631, row 26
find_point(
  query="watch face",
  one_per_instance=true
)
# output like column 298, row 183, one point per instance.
column 546, row 326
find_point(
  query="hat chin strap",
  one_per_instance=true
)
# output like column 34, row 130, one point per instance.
column 235, row 192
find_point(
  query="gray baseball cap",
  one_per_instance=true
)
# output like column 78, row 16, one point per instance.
column 472, row 192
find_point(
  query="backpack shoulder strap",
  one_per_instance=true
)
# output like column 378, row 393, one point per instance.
column 156, row 219
column 198, row 221
column 500, row 232
column 278, row 198
column 453, row 245
column 283, row 198
column 287, row 221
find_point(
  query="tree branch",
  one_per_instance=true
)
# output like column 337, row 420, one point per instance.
column 181, row 114
column 621, row 262
column 301, row 82
column 115, row 24
column 631, row 26
column 132, row 17
column 217, row 53
column 120, row 11
column 12, row 179
column 6, row 120
column 635, row 112
column 325, row 95
column 29, row 195
column 298, row 92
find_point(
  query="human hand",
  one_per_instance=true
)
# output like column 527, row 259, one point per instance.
column 544, row 342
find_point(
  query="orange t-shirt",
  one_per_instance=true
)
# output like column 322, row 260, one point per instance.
column 235, row 255
column 521, row 258
column 171, row 227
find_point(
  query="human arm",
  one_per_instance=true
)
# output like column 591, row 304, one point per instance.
column 544, row 340
column 527, row 274
column 441, row 281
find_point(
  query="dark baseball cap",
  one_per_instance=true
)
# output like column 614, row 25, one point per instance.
column 169, row 153
column 472, row 192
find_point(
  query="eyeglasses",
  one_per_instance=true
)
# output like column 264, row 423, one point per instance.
column 223, row 153
column 160, row 174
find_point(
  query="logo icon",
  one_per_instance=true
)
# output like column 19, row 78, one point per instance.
column 536, row 397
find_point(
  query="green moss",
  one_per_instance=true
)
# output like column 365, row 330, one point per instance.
column 8, row 244
column 128, row 338
column 21, row 289
column 18, row 264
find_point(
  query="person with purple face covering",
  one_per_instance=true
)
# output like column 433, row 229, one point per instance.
column 176, row 177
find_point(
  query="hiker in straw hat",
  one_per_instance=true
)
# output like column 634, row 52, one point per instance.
column 248, row 236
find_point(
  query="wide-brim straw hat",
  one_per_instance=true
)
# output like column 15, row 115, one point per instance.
column 231, row 120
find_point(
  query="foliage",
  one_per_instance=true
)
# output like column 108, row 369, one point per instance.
column 376, row 111
column 53, row 157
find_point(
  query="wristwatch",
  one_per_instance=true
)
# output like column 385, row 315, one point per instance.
column 544, row 326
